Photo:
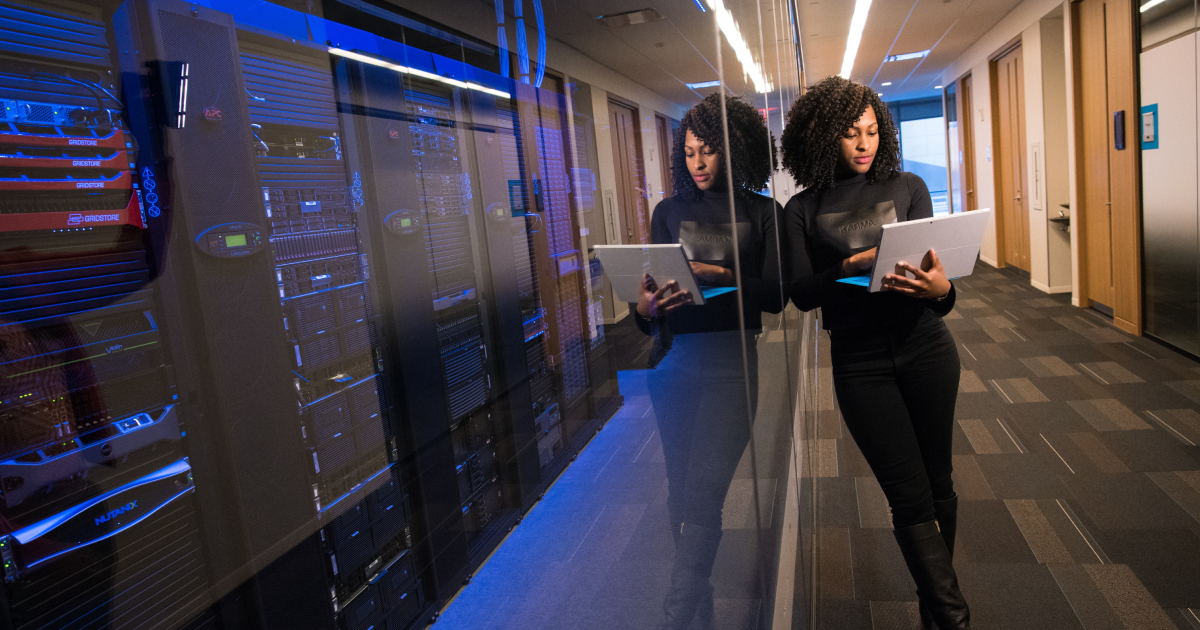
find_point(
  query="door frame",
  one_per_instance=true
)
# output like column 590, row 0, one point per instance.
column 666, row 141
column 964, row 102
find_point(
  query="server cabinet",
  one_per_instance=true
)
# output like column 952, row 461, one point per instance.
column 96, row 491
column 451, row 294
column 323, row 269
column 558, row 260
column 291, row 350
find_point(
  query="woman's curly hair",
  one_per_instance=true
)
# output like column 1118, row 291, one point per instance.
column 816, row 123
column 751, row 146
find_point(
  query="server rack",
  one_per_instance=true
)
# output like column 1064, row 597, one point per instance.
column 338, row 480
column 342, row 508
column 602, row 370
column 560, row 264
column 95, row 488
column 424, row 188
column 323, row 265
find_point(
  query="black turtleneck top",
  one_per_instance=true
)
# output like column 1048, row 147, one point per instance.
column 825, row 228
column 703, row 228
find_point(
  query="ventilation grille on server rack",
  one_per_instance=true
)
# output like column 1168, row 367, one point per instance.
column 78, row 36
column 287, row 92
column 555, row 191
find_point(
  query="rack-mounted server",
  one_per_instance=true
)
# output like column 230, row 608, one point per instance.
column 95, row 488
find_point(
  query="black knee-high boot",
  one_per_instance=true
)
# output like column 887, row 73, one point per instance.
column 690, row 595
column 947, row 518
column 929, row 562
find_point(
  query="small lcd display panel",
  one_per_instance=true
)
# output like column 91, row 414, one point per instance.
column 235, row 240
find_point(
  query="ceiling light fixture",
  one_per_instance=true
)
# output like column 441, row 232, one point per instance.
column 906, row 56
column 750, row 67
column 887, row 83
column 705, row 84
column 854, row 38
column 937, row 87
column 466, row 85
column 641, row 16
column 1151, row 5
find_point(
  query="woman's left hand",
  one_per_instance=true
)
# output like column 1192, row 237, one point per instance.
column 930, row 282
column 712, row 275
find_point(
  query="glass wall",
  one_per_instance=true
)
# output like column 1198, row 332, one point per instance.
column 923, row 146
column 1170, row 208
column 954, row 151
column 308, row 321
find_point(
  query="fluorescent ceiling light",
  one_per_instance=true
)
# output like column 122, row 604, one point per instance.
column 906, row 56
column 466, row 85
column 857, row 24
column 1151, row 5
column 887, row 83
column 628, row 18
column 750, row 67
column 937, row 87
column 706, row 84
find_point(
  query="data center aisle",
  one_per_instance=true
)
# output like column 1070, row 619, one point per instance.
column 596, row 552
column 1077, row 468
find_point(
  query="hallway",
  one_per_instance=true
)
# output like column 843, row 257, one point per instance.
column 1077, row 465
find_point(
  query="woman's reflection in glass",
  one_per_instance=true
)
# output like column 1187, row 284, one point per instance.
column 699, row 388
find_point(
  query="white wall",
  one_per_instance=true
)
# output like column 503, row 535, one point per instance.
column 981, row 125
column 1056, row 149
column 1035, row 138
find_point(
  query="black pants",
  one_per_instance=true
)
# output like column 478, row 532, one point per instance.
column 699, row 398
column 897, row 387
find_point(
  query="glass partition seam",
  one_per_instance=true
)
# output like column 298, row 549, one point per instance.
column 737, row 272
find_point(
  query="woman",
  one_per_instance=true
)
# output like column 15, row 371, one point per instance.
column 699, row 387
column 895, row 364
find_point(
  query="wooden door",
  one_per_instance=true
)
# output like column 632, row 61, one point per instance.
column 1109, row 212
column 1012, row 202
column 631, row 184
column 966, row 130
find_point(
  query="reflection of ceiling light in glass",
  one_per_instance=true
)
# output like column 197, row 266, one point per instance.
column 467, row 85
column 937, row 87
column 750, row 67
column 906, row 56
column 1151, row 5
column 854, row 38
column 706, row 84
column 887, row 83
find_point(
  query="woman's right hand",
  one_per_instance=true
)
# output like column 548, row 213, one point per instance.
column 859, row 263
column 654, row 300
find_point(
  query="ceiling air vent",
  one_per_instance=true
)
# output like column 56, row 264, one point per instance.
column 628, row 18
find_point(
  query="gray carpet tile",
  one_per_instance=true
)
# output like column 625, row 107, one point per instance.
column 1077, row 465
